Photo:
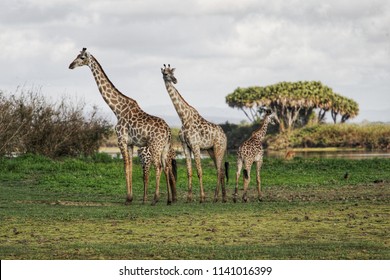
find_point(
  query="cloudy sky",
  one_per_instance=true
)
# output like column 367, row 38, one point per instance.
column 215, row 45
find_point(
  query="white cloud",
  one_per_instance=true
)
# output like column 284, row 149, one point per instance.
column 216, row 45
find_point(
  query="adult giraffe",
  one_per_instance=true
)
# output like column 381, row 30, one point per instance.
column 197, row 134
column 134, row 128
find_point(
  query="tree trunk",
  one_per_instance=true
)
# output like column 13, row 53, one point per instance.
column 334, row 116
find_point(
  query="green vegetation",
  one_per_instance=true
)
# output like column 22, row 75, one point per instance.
column 29, row 123
column 74, row 209
column 369, row 136
column 293, row 103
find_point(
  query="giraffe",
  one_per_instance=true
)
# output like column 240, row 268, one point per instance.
column 197, row 134
column 250, row 151
column 134, row 128
column 145, row 157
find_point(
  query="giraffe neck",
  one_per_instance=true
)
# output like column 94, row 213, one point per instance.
column 185, row 111
column 263, row 130
column 113, row 97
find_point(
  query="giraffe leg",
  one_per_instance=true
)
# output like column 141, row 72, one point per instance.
column 158, row 166
column 221, row 174
column 217, row 155
column 212, row 155
column 128, row 164
column 145, row 158
column 169, row 187
column 239, row 167
column 258, row 179
column 127, row 155
column 172, row 169
column 146, row 169
column 187, row 153
column 247, row 179
column 166, row 168
column 200, row 174
column 168, row 182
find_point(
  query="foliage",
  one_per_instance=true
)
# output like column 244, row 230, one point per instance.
column 31, row 124
column 294, row 103
column 367, row 136
column 74, row 209
column 237, row 134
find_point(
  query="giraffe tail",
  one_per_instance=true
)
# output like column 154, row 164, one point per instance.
column 227, row 171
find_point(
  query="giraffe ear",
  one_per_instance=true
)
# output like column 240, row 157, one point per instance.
column 173, row 70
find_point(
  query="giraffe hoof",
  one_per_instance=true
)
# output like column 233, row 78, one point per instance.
column 128, row 201
column 215, row 199
column 154, row 202
column 169, row 202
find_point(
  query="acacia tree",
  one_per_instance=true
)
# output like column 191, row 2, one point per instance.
column 345, row 107
column 293, row 103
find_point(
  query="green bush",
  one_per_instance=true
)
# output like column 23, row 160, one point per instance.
column 31, row 124
column 367, row 136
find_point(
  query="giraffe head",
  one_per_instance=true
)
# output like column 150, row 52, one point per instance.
column 84, row 58
column 271, row 115
column 168, row 75
column 268, row 111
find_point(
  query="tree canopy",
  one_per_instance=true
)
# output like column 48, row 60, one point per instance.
column 293, row 102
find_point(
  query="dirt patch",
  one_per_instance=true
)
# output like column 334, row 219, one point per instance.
column 373, row 192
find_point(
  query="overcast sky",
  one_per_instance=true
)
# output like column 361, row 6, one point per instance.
column 215, row 45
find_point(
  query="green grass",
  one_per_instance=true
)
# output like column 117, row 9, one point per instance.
column 74, row 209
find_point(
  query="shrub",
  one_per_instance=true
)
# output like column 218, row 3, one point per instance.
column 31, row 124
column 367, row 136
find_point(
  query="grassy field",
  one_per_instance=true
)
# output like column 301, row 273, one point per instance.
column 74, row 209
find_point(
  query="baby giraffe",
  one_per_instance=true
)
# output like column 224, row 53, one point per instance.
column 145, row 157
column 251, row 151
